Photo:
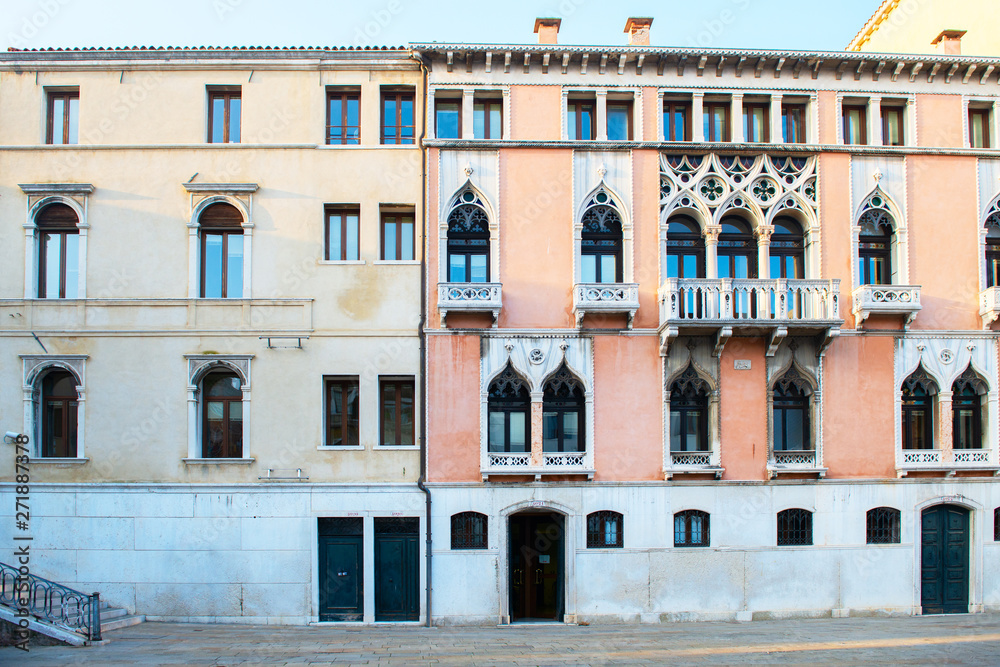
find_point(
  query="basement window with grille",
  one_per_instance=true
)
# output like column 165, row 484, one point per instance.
column 605, row 530
column 795, row 527
column 468, row 530
column 691, row 529
column 883, row 526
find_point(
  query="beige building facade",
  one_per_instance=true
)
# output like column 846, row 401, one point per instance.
column 966, row 27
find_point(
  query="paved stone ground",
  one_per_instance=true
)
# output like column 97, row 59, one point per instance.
column 927, row 640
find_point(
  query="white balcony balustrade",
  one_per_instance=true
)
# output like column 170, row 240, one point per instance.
column 605, row 298
column 698, row 463
column 469, row 298
column 794, row 461
column 946, row 460
column 549, row 463
column 886, row 300
column 989, row 306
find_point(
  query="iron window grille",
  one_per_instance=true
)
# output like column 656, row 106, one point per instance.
column 883, row 526
column 795, row 527
column 397, row 526
column 346, row 526
column 469, row 530
column 691, row 529
column 996, row 525
column 605, row 530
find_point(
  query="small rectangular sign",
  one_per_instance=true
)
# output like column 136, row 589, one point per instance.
column 544, row 560
column 741, row 364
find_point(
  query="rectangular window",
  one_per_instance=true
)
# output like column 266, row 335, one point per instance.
column 979, row 128
column 342, row 233
column 716, row 119
column 892, row 126
column 676, row 120
column 487, row 118
column 63, row 117
column 756, row 123
column 342, row 412
column 855, row 125
column 397, row 235
column 222, row 264
column 448, row 118
column 793, row 123
column 398, row 122
column 343, row 116
column 224, row 116
column 58, row 270
column 619, row 121
column 397, row 411
column 580, row 119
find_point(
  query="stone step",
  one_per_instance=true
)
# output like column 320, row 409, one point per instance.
column 121, row 622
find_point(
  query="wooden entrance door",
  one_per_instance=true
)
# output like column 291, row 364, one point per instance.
column 341, row 570
column 944, row 560
column 536, row 567
column 397, row 570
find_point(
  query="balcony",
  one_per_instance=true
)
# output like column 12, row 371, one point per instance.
column 989, row 306
column 796, row 462
column 886, row 300
column 615, row 298
column 469, row 298
column 549, row 463
column 721, row 305
column 693, row 463
column 948, row 461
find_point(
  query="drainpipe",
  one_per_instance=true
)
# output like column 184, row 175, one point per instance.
column 423, row 337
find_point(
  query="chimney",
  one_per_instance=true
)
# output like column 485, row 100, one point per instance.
column 547, row 30
column 638, row 30
column 949, row 42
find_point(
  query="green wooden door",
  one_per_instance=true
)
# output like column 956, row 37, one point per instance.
column 341, row 570
column 944, row 560
column 397, row 570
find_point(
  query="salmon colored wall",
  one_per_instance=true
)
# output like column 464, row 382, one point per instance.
column 858, row 396
column 743, row 408
column 944, row 240
column 939, row 121
column 628, row 423
column 836, row 218
column 650, row 115
column 453, row 436
column 536, row 113
column 827, row 102
column 431, row 237
column 646, row 235
column 536, row 238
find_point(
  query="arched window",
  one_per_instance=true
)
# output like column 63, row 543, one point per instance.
column 222, row 432
column 509, row 413
column 601, row 244
column 883, row 525
column 787, row 249
column 791, row 413
column 691, row 529
column 795, row 527
column 737, row 249
column 221, row 252
column 468, row 530
column 918, row 410
column 58, row 252
column 993, row 250
column 562, row 413
column 605, row 530
column 685, row 248
column 468, row 242
column 875, row 247
column 60, row 403
column 967, row 410
column 689, row 412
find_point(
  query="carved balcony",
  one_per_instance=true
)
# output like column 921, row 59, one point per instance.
column 469, row 298
column 886, row 300
column 797, row 462
column 947, row 461
column 989, row 306
column 768, row 307
column 550, row 463
column 616, row 298
column 692, row 463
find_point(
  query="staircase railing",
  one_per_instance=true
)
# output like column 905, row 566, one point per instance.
column 52, row 602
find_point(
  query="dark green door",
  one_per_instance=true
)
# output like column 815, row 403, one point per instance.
column 944, row 560
column 397, row 571
column 341, row 568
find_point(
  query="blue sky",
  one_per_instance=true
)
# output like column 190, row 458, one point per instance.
column 776, row 24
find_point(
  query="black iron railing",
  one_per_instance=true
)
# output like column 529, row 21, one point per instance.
column 52, row 602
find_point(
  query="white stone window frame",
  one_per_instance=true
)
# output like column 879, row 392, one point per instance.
column 900, row 253
column 600, row 94
column 468, row 96
column 991, row 208
column 35, row 368
column 714, row 415
column 41, row 195
column 981, row 102
column 873, row 112
column 454, row 201
column 199, row 366
column 628, row 232
column 815, row 382
column 203, row 195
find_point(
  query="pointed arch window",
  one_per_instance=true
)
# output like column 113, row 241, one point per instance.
column 468, row 241
column 791, row 413
column 993, row 248
column 787, row 253
column 689, row 412
column 563, row 406
column 58, row 252
column 918, row 410
column 737, row 249
column 968, row 392
column 685, row 248
column 601, row 242
column 221, row 252
column 60, row 405
column 875, row 245
column 509, row 409
column 222, row 431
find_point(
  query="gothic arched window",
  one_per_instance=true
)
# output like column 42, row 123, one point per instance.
column 968, row 392
column 993, row 248
column 685, row 248
column 468, row 242
column 918, row 410
column 563, row 406
column 689, row 412
column 791, row 413
column 787, row 249
column 509, row 413
column 601, row 244
column 875, row 247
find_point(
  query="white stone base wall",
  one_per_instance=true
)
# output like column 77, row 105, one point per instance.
column 226, row 554
column 743, row 575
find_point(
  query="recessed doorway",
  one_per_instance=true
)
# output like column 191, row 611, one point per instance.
column 537, row 573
